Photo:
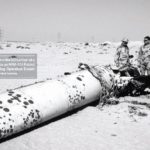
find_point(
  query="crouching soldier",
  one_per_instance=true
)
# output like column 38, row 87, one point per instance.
column 144, row 57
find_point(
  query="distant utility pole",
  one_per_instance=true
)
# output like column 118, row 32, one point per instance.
column 0, row 34
column 0, row 37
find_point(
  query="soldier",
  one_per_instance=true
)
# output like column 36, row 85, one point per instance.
column 144, row 57
column 122, row 54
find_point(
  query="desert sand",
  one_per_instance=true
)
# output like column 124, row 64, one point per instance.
column 118, row 127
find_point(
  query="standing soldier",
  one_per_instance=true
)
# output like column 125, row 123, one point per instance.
column 144, row 57
column 122, row 54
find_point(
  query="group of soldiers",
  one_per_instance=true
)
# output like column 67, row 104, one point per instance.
column 122, row 56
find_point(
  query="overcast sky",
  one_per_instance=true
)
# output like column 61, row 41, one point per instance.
column 74, row 20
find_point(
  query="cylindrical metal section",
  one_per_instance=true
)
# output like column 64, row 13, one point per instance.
column 26, row 107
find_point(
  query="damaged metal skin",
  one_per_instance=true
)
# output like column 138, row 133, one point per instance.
column 29, row 106
column 17, row 112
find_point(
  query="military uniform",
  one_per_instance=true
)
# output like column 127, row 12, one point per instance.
column 122, row 56
column 144, row 59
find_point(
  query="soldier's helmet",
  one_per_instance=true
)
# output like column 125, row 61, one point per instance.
column 126, row 40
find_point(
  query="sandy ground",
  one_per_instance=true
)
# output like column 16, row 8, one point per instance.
column 118, row 127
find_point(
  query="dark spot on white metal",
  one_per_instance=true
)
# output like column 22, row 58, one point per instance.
column 6, row 109
column 11, row 92
column 16, row 98
column 26, row 103
column 18, row 95
column 30, row 101
column 78, row 78
column 9, row 101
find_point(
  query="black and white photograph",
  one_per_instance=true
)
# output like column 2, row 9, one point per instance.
column 74, row 74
